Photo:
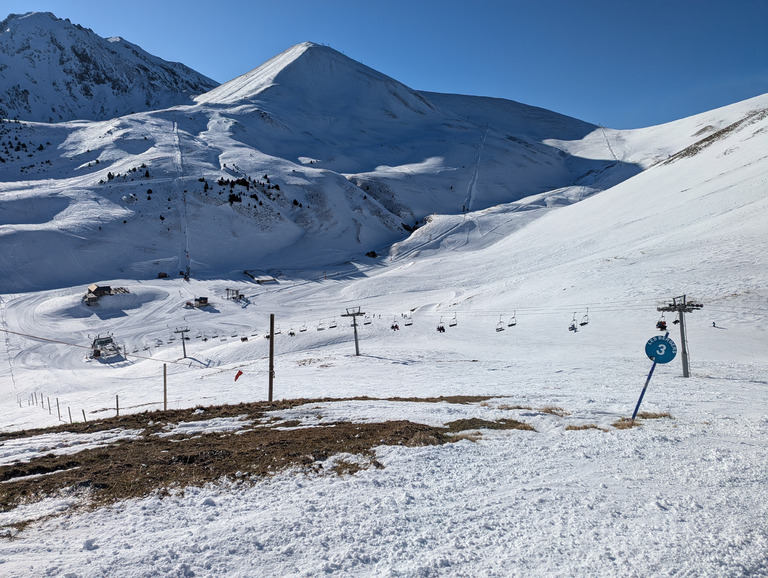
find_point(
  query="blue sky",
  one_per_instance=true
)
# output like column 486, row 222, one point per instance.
column 616, row 63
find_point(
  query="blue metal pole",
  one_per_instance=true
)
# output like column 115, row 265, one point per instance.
column 647, row 381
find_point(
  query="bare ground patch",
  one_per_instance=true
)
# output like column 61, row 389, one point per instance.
column 131, row 468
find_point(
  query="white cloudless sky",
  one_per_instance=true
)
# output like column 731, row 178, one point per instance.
column 616, row 63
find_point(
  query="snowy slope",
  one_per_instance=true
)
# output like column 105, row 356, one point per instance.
column 643, row 216
column 328, row 158
column 52, row 70
column 681, row 495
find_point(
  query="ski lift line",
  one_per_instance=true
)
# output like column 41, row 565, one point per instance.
column 59, row 342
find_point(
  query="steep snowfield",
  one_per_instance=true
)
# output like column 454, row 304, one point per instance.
column 52, row 70
column 685, row 495
column 312, row 158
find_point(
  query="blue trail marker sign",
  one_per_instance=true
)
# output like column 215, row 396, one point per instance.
column 659, row 349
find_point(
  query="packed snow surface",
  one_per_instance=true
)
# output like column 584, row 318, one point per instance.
column 658, row 213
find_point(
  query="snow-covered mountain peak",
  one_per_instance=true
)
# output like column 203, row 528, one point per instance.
column 52, row 70
column 321, row 77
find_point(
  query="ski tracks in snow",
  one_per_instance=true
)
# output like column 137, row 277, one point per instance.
column 472, row 186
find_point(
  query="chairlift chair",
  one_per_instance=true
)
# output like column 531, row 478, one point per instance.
column 513, row 321
column 291, row 332
column 500, row 324
column 320, row 326
column 573, row 327
column 367, row 320
column 453, row 322
column 408, row 320
column 661, row 324
column 440, row 326
column 585, row 319
column 332, row 325
column 303, row 328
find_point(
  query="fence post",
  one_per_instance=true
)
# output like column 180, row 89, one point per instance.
column 85, row 420
column 69, row 409
column 117, row 405
column 165, row 387
column 58, row 408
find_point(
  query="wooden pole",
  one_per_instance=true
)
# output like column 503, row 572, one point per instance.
column 117, row 405
column 49, row 407
column 165, row 387
column 69, row 409
column 58, row 409
column 271, row 353
column 85, row 420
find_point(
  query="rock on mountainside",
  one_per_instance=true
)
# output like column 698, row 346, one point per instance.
column 52, row 70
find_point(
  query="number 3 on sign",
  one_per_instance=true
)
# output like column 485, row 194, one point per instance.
column 661, row 349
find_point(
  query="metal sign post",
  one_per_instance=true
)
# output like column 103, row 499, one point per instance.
column 659, row 349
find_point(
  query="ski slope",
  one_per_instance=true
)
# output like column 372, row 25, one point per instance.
column 683, row 495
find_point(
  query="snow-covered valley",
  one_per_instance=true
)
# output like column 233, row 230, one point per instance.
column 526, row 221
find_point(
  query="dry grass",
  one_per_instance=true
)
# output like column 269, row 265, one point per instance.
column 554, row 410
column 511, row 407
column 583, row 427
column 651, row 415
column 625, row 423
column 132, row 468
column 476, row 423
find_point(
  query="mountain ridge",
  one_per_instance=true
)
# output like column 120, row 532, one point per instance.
column 53, row 70
column 310, row 158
